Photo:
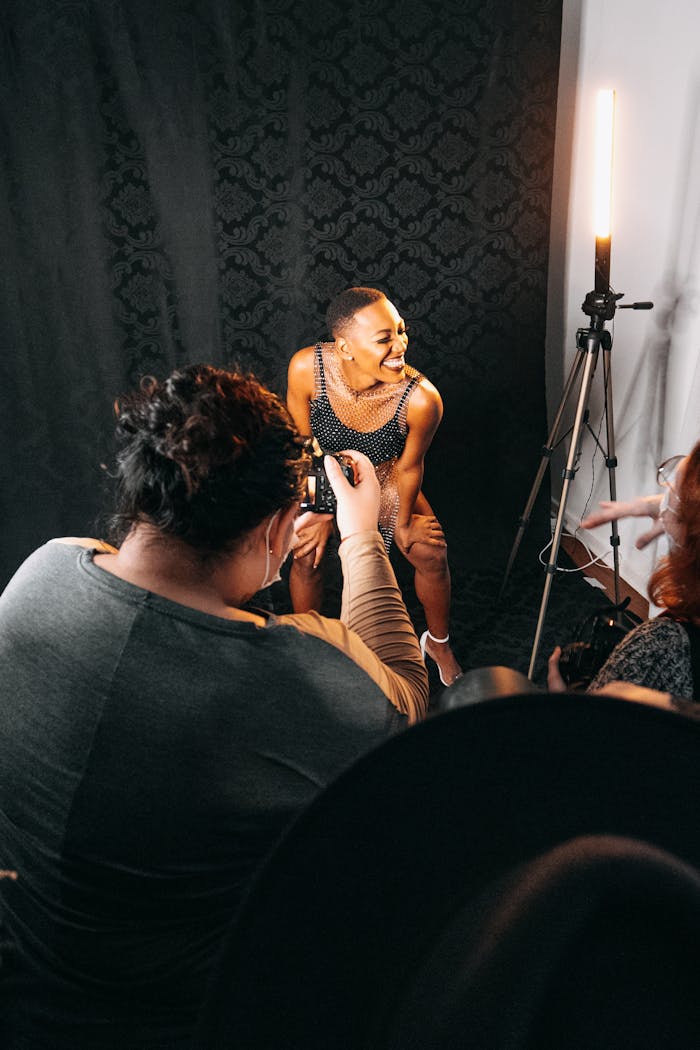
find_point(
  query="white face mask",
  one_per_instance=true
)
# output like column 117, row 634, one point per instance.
column 268, row 553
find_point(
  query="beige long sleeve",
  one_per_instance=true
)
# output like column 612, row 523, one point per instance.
column 375, row 630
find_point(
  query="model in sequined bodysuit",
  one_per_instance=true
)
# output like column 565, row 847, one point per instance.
column 358, row 392
column 340, row 417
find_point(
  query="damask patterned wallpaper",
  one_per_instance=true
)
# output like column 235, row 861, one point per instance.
column 194, row 180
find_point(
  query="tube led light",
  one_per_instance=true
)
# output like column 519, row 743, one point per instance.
column 603, row 188
column 603, row 162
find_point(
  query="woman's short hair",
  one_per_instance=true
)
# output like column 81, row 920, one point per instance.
column 676, row 583
column 205, row 455
column 343, row 308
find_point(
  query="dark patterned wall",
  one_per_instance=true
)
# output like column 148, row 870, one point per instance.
column 188, row 181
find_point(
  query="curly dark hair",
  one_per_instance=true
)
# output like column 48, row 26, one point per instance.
column 675, row 584
column 205, row 455
column 343, row 308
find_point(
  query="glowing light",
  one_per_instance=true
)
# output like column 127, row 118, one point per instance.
column 603, row 162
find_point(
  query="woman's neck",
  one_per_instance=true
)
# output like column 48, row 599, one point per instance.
column 171, row 568
column 357, row 380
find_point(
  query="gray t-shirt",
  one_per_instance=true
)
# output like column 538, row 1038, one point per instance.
column 150, row 754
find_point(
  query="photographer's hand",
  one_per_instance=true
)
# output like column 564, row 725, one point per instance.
column 358, row 506
column 641, row 507
column 555, row 682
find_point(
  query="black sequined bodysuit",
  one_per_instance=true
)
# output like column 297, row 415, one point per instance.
column 340, row 417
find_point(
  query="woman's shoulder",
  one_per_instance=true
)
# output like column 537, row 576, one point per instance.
column 48, row 570
column 426, row 388
column 85, row 541
column 656, row 654
column 660, row 631
column 302, row 356
column 654, row 640
column 306, row 353
column 420, row 386
column 424, row 400
column 303, row 359
column 300, row 373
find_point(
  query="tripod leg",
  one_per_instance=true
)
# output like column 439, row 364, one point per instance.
column 547, row 451
column 591, row 357
column 611, row 464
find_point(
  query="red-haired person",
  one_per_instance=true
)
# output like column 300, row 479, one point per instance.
column 357, row 391
column 663, row 653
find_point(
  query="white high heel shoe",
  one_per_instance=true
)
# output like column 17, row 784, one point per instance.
column 423, row 641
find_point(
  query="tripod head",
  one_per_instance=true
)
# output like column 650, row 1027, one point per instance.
column 601, row 306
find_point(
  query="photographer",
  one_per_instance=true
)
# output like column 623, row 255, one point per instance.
column 157, row 733
column 663, row 653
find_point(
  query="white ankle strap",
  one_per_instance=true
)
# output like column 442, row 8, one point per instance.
column 439, row 640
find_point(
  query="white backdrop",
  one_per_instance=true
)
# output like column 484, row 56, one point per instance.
column 648, row 51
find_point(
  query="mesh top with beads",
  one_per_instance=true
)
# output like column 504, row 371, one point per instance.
column 341, row 417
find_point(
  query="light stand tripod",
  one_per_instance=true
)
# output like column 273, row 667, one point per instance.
column 600, row 306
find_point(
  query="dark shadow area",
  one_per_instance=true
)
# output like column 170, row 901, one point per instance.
column 193, row 180
column 374, row 914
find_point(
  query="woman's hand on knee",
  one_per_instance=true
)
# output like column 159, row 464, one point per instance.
column 311, row 535
column 422, row 528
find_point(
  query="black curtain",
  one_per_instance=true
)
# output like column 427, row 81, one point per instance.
column 188, row 181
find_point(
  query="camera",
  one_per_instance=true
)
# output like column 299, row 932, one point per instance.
column 597, row 636
column 318, row 494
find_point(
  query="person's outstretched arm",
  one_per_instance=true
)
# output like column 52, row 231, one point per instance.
column 641, row 507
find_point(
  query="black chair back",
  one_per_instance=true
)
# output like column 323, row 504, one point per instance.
column 367, row 881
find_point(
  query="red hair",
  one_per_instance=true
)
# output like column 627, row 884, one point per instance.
column 675, row 584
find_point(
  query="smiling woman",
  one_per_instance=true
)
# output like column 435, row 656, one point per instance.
column 358, row 392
